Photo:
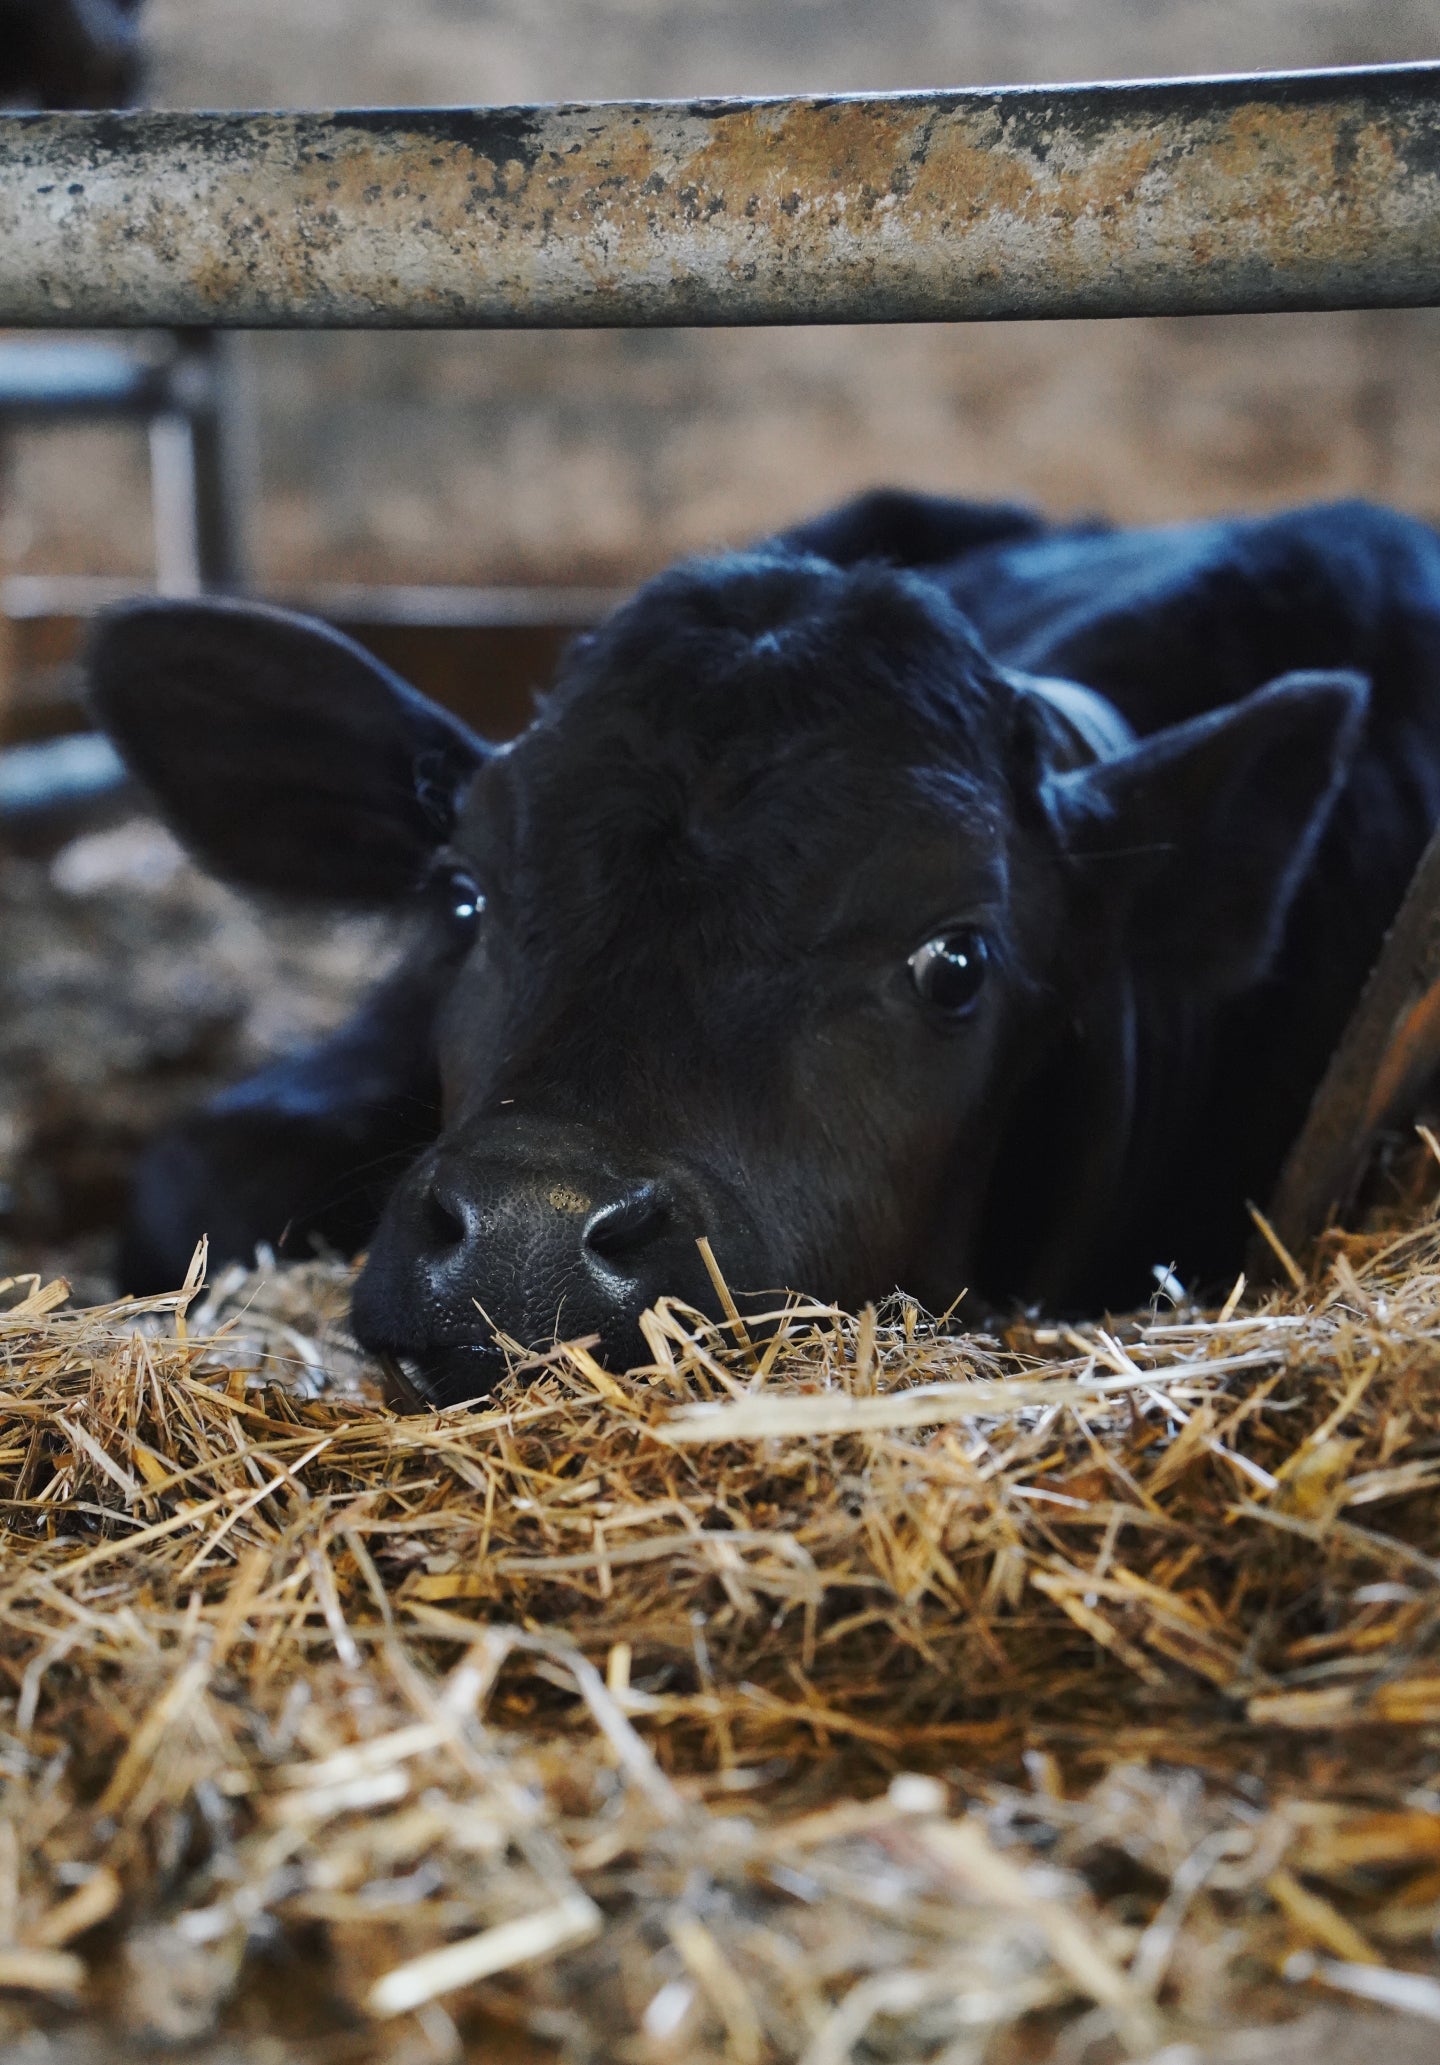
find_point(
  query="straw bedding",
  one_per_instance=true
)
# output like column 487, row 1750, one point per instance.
column 872, row 1694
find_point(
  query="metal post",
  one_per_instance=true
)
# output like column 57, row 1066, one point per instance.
column 199, row 452
column 189, row 388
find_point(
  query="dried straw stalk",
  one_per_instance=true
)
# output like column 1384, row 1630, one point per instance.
column 868, row 1693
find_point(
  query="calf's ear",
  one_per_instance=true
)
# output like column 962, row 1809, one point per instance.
column 1200, row 835
column 285, row 757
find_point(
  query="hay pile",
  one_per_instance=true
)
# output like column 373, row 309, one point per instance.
column 873, row 1696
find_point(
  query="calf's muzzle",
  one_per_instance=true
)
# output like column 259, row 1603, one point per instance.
column 530, row 1231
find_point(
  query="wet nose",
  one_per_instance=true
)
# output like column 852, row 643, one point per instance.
column 447, row 1219
column 523, row 1245
column 612, row 1234
column 531, row 1253
column 621, row 1229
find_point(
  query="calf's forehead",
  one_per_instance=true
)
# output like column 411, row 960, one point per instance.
column 747, row 644
column 748, row 719
column 783, row 849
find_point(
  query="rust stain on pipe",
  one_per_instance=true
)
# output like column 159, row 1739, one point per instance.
column 1306, row 190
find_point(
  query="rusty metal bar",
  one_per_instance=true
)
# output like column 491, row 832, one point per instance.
column 1282, row 191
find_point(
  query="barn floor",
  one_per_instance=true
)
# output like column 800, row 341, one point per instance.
column 131, row 985
column 747, row 1707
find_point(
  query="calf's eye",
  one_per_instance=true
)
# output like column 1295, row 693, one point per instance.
column 461, row 899
column 949, row 970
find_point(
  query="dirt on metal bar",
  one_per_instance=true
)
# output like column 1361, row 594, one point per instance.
column 1306, row 190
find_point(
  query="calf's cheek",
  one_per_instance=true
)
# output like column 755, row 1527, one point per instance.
column 469, row 1045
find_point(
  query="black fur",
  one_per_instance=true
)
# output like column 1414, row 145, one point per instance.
column 752, row 795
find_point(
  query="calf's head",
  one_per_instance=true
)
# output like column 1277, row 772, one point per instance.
column 787, row 910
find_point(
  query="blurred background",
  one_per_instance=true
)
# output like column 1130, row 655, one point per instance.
column 463, row 501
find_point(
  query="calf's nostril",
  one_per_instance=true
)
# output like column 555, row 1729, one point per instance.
column 627, row 1223
column 445, row 1223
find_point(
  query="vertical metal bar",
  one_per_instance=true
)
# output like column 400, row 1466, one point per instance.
column 210, row 376
column 173, row 504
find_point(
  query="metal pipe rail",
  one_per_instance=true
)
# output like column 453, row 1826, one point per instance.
column 1176, row 197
